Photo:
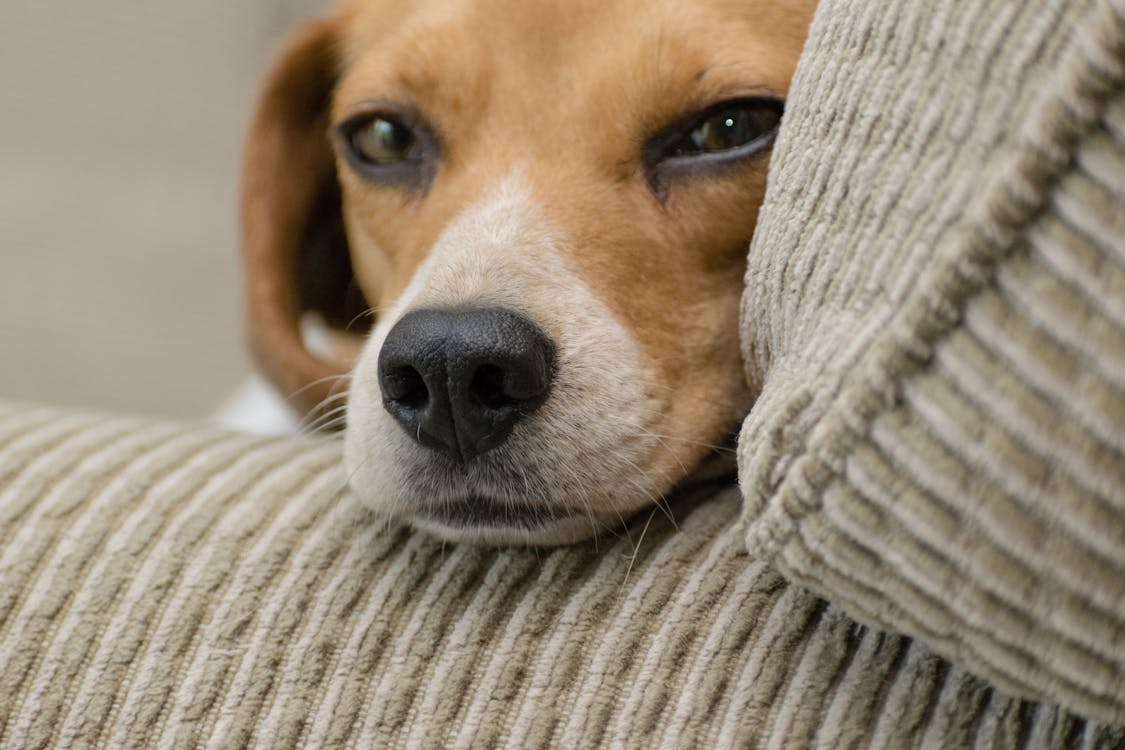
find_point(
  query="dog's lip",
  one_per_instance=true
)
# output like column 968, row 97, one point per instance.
column 477, row 511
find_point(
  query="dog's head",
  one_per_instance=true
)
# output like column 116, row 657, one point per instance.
column 548, row 206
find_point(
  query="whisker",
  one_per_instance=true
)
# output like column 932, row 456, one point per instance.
column 318, row 411
column 657, row 499
column 332, row 418
column 371, row 312
column 592, row 518
column 326, row 416
column 636, row 553
column 348, row 479
column 330, row 427
column 330, row 399
column 315, row 383
column 689, row 441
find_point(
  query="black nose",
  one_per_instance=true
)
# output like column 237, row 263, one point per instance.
column 459, row 381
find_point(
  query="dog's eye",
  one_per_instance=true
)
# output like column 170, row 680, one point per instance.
column 382, row 140
column 390, row 146
column 719, row 138
column 733, row 126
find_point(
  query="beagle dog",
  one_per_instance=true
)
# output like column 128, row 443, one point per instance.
column 545, row 209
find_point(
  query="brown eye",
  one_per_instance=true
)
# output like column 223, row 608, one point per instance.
column 731, row 128
column 392, row 145
column 382, row 140
column 712, row 141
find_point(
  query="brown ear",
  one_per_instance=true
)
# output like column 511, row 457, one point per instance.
column 294, row 248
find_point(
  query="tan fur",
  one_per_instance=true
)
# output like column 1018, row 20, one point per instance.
column 565, row 94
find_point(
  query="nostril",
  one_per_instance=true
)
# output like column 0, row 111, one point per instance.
column 459, row 381
column 489, row 388
column 406, row 387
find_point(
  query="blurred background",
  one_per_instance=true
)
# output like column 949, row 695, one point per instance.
column 121, row 126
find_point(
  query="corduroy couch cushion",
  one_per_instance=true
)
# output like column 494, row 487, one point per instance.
column 934, row 316
column 169, row 586
column 935, row 312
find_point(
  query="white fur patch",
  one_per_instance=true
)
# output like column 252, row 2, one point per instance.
column 581, row 451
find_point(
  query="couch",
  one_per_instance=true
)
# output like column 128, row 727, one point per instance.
column 926, row 547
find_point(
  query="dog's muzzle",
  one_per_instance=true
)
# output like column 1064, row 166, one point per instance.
column 458, row 381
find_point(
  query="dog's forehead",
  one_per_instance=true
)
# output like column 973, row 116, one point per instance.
column 534, row 35
column 538, row 22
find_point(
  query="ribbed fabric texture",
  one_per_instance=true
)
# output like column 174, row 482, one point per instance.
column 166, row 586
column 935, row 313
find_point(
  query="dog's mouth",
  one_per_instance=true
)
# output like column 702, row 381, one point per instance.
column 479, row 512
column 479, row 519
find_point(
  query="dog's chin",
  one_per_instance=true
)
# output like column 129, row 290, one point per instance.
column 483, row 521
column 554, row 533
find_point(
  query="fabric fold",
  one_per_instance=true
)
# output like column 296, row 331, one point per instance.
column 932, row 318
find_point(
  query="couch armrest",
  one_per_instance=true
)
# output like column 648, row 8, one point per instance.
column 168, row 585
column 935, row 311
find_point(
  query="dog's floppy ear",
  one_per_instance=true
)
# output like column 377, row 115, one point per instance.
column 295, row 251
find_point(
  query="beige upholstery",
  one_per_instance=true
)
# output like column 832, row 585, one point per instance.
column 168, row 586
column 936, row 313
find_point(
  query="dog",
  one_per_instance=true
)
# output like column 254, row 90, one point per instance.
column 546, row 206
